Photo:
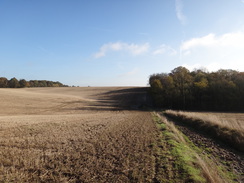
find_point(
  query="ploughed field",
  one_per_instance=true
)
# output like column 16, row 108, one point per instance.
column 103, row 134
column 76, row 135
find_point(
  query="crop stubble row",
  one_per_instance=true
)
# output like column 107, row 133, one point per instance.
column 95, row 147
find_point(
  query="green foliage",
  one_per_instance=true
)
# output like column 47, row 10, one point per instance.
column 198, row 90
column 202, row 84
column 156, row 90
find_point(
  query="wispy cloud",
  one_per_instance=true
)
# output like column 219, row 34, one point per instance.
column 133, row 72
column 130, row 73
column 135, row 49
column 179, row 11
column 164, row 49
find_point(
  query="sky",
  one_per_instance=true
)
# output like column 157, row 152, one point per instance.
column 118, row 42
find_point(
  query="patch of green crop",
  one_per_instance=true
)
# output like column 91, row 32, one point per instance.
column 228, row 175
column 184, row 159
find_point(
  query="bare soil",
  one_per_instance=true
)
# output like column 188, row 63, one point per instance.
column 76, row 135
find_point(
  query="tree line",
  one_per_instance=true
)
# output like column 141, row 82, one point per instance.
column 181, row 89
column 22, row 83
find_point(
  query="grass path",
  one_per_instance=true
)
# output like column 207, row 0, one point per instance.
column 197, row 162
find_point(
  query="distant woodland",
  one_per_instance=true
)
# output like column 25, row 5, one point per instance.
column 198, row 90
column 22, row 83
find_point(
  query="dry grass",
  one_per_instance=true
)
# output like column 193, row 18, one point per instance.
column 230, row 120
column 48, row 135
column 227, row 127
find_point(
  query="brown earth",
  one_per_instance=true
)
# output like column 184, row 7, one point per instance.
column 76, row 135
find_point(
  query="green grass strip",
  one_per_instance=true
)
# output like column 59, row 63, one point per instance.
column 185, row 159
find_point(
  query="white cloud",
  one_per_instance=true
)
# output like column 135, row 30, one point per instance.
column 191, row 67
column 211, row 67
column 232, row 40
column 214, row 66
column 164, row 49
column 179, row 11
column 214, row 52
column 202, row 41
column 132, row 48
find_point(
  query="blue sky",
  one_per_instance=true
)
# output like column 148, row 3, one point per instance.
column 118, row 42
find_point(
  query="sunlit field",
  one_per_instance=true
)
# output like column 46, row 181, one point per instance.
column 227, row 127
column 229, row 120
column 74, row 135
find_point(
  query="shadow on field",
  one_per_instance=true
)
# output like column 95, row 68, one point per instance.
column 122, row 99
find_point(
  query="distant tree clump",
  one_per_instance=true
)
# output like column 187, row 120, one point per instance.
column 3, row 82
column 198, row 90
column 22, row 83
column 13, row 83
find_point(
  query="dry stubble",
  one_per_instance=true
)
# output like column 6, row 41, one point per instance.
column 73, row 145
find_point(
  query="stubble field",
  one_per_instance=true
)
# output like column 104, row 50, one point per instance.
column 75, row 135
column 103, row 134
